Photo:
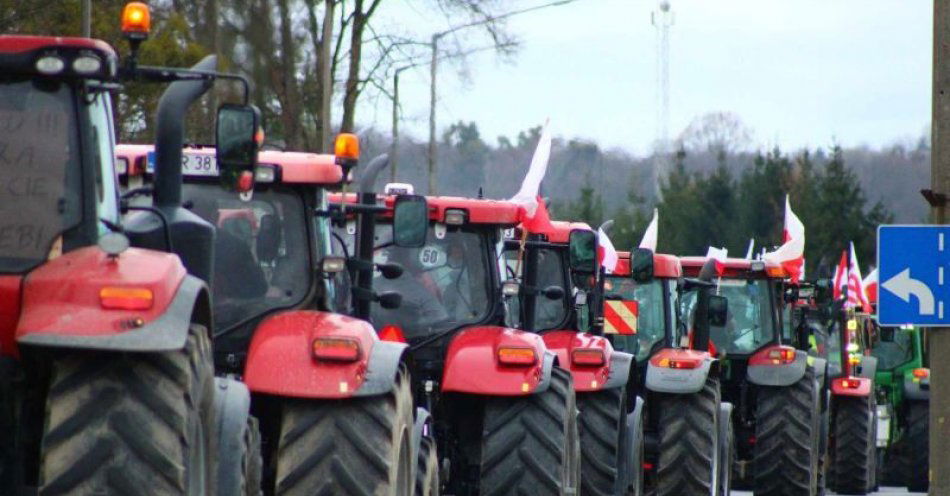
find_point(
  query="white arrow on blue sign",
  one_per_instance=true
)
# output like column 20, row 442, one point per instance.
column 914, row 274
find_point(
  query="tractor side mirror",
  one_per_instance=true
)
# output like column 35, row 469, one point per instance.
column 641, row 265
column 389, row 300
column 718, row 310
column 237, row 138
column 583, row 251
column 390, row 270
column 410, row 221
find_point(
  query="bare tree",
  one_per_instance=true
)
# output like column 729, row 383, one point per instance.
column 719, row 133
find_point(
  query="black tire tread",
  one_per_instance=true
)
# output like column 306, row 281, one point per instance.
column 917, row 457
column 688, row 441
column 253, row 462
column 120, row 422
column 525, row 441
column 350, row 446
column 427, row 471
column 854, row 451
column 785, row 457
column 600, row 423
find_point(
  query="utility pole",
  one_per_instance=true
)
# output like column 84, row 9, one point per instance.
column 87, row 18
column 394, row 147
column 326, row 77
column 432, row 145
column 939, row 338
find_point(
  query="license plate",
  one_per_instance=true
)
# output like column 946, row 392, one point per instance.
column 192, row 164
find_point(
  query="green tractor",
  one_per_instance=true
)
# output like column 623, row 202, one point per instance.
column 902, row 386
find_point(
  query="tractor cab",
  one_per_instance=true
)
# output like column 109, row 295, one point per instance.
column 272, row 250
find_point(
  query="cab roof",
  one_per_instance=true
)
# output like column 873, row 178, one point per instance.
column 664, row 266
column 477, row 211
column 23, row 43
column 295, row 167
column 559, row 231
column 736, row 268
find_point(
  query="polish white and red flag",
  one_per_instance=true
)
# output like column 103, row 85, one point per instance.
column 848, row 282
column 719, row 255
column 528, row 197
column 791, row 255
column 649, row 236
column 870, row 286
column 606, row 252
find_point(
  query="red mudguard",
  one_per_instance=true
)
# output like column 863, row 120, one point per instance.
column 9, row 314
column 62, row 305
column 280, row 360
column 471, row 363
column 586, row 377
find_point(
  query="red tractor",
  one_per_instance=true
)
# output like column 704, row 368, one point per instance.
column 503, row 412
column 687, row 427
column 610, row 420
column 324, row 387
column 106, row 374
column 767, row 374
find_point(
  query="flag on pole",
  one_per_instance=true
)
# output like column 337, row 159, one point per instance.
column 791, row 255
column 751, row 250
column 719, row 255
column 606, row 252
column 848, row 282
column 649, row 236
column 870, row 286
column 528, row 197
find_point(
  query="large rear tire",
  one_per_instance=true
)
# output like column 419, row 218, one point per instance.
column 354, row 446
column 601, row 422
column 726, row 451
column 529, row 444
column 253, row 462
column 787, row 427
column 427, row 472
column 124, row 423
column 854, row 448
column 917, row 446
column 689, row 442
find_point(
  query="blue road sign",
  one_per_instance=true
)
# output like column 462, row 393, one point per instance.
column 914, row 275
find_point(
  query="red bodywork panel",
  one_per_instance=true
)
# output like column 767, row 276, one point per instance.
column 295, row 167
column 839, row 389
column 62, row 296
column 9, row 313
column 20, row 44
column 471, row 364
column 586, row 378
column 560, row 231
column 664, row 266
column 497, row 212
column 280, row 360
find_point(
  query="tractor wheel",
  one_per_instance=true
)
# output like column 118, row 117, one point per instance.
column 355, row 446
column 253, row 463
column 427, row 473
column 916, row 454
column 601, row 422
column 788, row 423
column 529, row 443
column 854, row 449
column 123, row 423
column 689, row 442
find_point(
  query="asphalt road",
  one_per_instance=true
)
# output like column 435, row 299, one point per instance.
column 889, row 491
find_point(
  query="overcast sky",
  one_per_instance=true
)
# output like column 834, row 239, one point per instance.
column 797, row 72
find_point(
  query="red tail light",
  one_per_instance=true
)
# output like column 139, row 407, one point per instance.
column 681, row 363
column 336, row 349
column 848, row 383
column 921, row 373
column 118, row 298
column 591, row 357
column 392, row 333
column 782, row 355
column 647, row 466
column 517, row 356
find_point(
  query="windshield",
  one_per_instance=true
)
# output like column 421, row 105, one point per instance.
column 39, row 167
column 550, row 314
column 651, row 321
column 749, row 323
column 261, row 252
column 444, row 285
column 891, row 355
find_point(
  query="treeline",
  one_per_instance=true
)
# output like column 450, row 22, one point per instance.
column 712, row 195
